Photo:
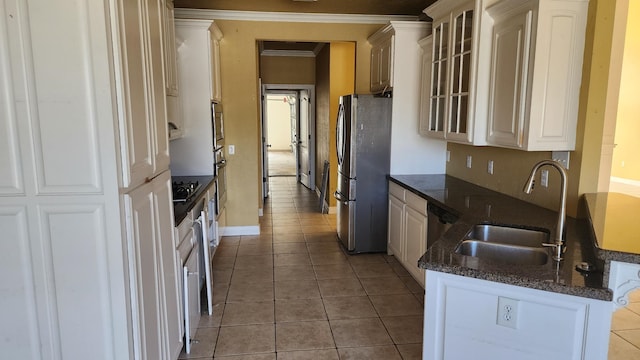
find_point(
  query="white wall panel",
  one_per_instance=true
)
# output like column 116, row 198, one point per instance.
column 17, row 301
column 75, row 243
column 11, row 174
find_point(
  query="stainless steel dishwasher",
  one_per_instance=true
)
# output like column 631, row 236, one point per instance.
column 439, row 221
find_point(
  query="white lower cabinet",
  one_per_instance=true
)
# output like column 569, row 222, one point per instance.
column 407, row 229
column 467, row 318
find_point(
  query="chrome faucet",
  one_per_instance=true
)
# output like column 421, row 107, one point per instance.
column 558, row 244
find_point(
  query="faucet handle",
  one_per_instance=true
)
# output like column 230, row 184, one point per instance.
column 558, row 249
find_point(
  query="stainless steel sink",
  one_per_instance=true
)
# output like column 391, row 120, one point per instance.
column 505, row 244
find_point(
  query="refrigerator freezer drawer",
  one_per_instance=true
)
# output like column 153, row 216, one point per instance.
column 346, row 186
column 346, row 223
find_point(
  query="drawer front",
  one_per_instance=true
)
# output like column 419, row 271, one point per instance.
column 416, row 202
column 184, row 227
column 397, row 191
column 185, row 246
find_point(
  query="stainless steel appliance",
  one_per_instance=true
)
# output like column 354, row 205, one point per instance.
column 184, row 190
column 221, row 180
column 363, row 147
column 438, row 222
column 217, row 120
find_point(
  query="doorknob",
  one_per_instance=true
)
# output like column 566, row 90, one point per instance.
column 268, row 145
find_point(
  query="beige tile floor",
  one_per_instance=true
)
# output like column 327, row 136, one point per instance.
column 281, row 163
column 292, row 293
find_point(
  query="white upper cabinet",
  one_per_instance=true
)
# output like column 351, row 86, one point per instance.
column 504, row 73
column 382, row 48
column 216, row 84
column 143, row 135
column 455, row 114
column 536, row 68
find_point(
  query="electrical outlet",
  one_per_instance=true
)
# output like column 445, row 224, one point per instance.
column 448, row 156
column 507, row 312
column 544, row 178
column 232, row 149
column 469, row 161
column 490, row 167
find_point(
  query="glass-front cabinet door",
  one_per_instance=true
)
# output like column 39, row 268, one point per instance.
column 451, row 93
column 439, row 70
column 458, row 94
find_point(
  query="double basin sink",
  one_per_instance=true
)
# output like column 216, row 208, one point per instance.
column 506, row 244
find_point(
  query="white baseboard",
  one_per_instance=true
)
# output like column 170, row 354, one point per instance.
column 240, row 230
column 626, row 181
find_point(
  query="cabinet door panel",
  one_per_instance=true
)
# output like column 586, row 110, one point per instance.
column 416, row 242
column 425, row 84
column 170, row 271
column 509, row 69
column 155, row 69
column 136, row 129
column 145, row 277
column 396, row 227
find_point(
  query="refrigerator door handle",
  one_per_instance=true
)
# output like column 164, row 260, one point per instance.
column 340, row 198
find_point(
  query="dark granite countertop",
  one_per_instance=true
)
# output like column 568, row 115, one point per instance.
column 473, row 205
column 181, row 209
column 614, row 220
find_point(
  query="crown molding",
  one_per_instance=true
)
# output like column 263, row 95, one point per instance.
column 206, row 14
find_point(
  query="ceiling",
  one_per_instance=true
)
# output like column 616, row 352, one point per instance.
column 369, row 7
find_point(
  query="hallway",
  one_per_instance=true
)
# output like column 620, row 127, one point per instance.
column 293, row 292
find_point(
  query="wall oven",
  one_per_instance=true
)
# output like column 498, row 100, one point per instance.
column 221, row 180
column 217, row 124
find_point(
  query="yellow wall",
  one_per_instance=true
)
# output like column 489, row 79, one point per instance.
column 239, row 66
column 512, row 167
column 287, row 70
column 341, row 82
column 625, row 155
column 323, row 132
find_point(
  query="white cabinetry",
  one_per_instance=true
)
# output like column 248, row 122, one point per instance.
column 541, row 325
column 216, row 82
column 504, row 73
column 533, row 105
column 143, row 136
column 400, row 40
column 407, row 229
column 426, row 45
column 85, row 202
column 155, row 294
column 382, row 46
column 456, row 106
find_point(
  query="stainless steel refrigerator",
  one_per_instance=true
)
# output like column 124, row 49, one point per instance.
column 363, row 145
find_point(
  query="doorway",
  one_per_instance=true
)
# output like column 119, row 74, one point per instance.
column 288, row 124
column 619, row 167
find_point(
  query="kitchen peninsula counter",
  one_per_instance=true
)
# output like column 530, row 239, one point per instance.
column 473, row 205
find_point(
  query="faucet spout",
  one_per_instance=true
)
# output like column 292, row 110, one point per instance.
column 558, row 243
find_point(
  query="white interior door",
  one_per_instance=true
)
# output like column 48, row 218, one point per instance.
column 265, row 158
column 304, row 137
